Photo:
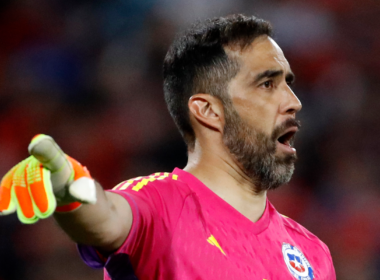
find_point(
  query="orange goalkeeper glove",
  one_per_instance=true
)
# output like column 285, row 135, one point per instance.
column 47, row 178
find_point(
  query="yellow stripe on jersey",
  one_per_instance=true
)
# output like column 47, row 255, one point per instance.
column 143, row 181
column 123, row 185
column 163, row 176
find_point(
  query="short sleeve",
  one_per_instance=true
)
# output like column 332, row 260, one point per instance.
column 147, row 219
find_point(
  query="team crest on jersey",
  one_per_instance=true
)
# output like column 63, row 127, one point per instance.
column 297, row 263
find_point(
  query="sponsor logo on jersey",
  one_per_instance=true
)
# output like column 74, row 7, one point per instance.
column 212, row 240
column 297, row 263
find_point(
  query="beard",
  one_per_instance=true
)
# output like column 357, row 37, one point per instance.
column 256, row 152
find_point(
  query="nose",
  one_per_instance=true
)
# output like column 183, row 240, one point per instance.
column 291, row 104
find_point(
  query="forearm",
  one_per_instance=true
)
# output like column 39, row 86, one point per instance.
column 104, row 225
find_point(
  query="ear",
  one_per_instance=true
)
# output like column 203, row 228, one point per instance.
column 207, row 110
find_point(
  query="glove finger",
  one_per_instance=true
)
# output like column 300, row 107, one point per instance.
column 41, row 190
column 47, row 152
column 7, row 204
column 25, row 209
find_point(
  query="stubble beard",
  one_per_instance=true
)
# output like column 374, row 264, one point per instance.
column 256, row 152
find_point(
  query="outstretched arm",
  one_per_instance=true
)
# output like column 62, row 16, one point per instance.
column 104, row 225
column 48, row 178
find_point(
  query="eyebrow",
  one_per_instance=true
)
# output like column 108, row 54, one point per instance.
column 290, row 77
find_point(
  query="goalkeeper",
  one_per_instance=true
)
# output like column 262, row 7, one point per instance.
column 227, row 87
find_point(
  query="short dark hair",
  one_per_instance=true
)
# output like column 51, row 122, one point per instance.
column 197, row 63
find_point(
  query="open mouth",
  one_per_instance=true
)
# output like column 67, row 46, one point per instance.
column 287, row 138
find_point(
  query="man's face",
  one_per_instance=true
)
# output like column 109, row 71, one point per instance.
column 260, row 115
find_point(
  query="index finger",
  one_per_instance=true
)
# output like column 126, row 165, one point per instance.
column 51, row 156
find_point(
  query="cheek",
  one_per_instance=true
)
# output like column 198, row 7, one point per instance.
column 257, row 113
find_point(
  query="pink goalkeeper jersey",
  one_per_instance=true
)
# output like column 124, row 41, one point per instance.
column 182, row 230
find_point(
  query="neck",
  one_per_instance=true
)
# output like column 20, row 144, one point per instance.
column 219, row 172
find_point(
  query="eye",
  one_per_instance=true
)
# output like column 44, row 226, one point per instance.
column 267, row 84
column 290, row 81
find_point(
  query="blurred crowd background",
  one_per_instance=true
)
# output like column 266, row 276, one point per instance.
column 88, row 73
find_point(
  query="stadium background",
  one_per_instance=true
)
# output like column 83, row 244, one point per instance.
column 89, row 74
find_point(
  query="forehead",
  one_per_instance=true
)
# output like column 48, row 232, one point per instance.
column 261, row 55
